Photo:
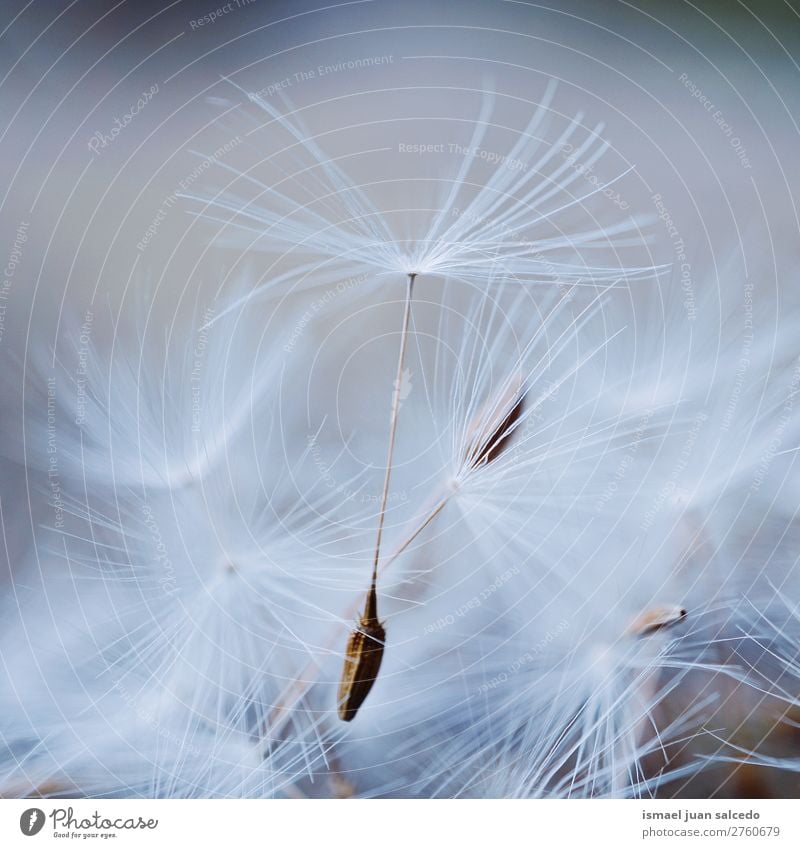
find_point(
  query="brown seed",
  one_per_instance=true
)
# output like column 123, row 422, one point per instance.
column 655, row 619
column 362, row 661
column 487, row 441
column 365, row 646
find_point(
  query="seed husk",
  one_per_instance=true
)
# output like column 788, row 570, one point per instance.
column 487, row 442
column 656, row 618
column 365, row 646
column 362, row 661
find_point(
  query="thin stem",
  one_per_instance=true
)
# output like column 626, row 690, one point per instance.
column 371, row 606
column 425, row 522
column 281, row 711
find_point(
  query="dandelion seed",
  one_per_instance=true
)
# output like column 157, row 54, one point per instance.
column 505, row 226
column 362, row 661
column 366, row 643
column 487, row 440
column 491, row 399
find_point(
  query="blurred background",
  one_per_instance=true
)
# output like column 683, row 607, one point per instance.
column 110, row 109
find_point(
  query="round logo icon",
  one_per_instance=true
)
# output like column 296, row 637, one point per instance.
column 31, row 821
